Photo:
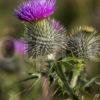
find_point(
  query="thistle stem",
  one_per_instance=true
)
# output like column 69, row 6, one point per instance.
column 65, row 82
column 77, row 71
column 74, row 78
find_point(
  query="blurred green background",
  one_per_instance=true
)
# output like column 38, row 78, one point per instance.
column 70, row 13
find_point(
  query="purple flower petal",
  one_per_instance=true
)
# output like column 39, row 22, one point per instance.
column 35, row 9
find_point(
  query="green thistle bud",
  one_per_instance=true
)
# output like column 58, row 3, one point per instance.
column 84, row 43
column 45, row 37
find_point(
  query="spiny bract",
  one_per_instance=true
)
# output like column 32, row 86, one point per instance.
column 45, row 37
column 84, row 42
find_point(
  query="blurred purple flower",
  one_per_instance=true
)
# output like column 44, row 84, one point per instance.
column 33, row 10
column 20, row 46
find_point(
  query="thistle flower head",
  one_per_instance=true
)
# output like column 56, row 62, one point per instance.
column 84, row 42
column 33, row 10
column 45, row 37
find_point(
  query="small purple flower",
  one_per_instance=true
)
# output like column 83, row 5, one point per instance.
column 33, row 10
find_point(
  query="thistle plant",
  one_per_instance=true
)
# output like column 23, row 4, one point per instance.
column 84, row 46
column 44, row 36
column 48, row 40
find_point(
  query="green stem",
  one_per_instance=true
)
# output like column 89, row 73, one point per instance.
column 77, row 71
column 65, row 82
column 74, row 78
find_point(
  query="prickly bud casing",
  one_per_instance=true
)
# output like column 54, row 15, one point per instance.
column 44, row 37
column 84, row 42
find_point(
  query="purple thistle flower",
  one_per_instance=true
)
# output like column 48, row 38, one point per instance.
column 33, row 10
